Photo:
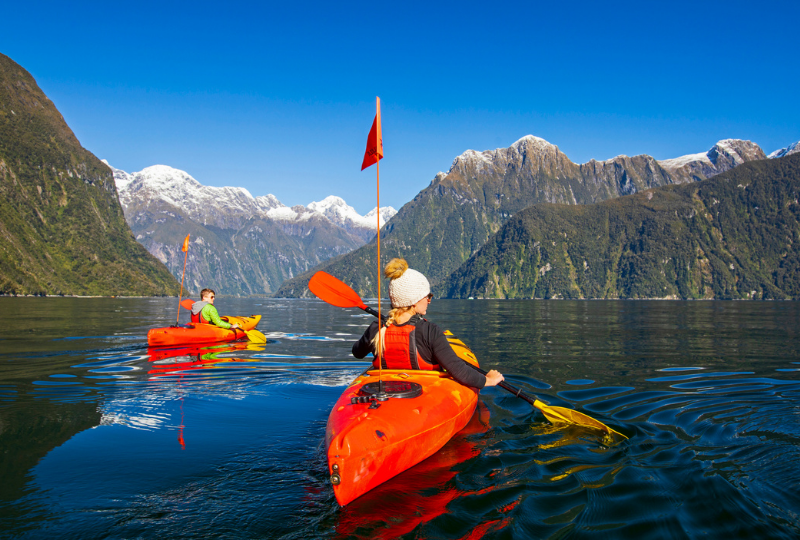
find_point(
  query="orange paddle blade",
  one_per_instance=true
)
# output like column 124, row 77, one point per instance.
column 187, row 304
column 333, row 291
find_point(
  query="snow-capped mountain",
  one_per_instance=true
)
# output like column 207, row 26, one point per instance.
column 229, row 207
column 238, row 243
column 545, row 174
column 789, row 150
column 725, row 155
column 338, row 211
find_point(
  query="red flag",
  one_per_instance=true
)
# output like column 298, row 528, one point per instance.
column 374, row 150
column 185, row 247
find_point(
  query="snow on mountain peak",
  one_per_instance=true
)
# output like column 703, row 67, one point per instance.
column 330, row 203
column 536, row 142
column 793, row 148
column 229, row 206
column 487, row 157
column 678, row 162
column 338, row 211
column 737, row 150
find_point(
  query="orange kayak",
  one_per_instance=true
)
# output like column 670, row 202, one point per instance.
column 368, row 445
column 197, row 333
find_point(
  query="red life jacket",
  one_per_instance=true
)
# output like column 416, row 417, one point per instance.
column 400, row 350
column 199, row 317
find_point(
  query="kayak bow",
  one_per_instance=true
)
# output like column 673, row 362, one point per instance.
column 369, row 441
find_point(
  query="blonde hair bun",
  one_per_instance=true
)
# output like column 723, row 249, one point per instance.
column 395, row 268
column 408, row 286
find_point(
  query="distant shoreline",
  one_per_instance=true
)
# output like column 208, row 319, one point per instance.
column 465, row 299
column 4, row 295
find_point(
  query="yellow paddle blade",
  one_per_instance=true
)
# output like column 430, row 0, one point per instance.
column 561, row 415
column 255, row 336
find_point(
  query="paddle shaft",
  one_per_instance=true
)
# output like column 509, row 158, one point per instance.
column 505, row 386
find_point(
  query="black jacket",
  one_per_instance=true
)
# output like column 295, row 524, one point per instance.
column 432, row 346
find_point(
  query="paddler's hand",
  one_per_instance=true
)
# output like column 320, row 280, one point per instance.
column 494, row 377
column 235, row 326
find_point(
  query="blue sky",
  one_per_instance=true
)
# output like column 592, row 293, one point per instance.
column 279, row 98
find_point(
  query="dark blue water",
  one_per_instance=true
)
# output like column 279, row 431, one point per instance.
column 102, row 438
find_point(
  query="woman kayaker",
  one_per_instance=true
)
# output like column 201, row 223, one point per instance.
column 205, row 312
column 411, row 342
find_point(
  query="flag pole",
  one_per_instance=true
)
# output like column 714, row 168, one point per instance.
column 185, row 250
column 378, row 192
column 373, row 155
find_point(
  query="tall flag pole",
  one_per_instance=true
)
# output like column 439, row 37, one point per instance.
column 185, row 250
column 372, row 156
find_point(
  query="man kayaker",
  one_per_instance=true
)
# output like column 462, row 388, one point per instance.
column 411, row 342
column 204, row 310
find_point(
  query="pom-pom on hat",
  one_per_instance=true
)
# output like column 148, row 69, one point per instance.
column 407, row 286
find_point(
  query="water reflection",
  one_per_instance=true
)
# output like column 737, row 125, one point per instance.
column 103, row 437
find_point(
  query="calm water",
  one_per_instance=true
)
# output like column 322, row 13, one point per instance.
column 101, row 438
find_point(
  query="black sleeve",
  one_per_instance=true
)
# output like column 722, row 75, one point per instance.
column 363, row 346
column 444, row 355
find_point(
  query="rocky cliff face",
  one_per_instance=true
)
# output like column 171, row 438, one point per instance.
column 453, row 217
column 62, row 230
column 239, row 244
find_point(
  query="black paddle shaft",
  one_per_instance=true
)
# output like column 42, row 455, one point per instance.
column 516, row 391
column 374, row 313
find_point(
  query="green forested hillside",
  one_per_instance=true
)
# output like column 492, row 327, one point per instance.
column 735, row 236
column 62, row 229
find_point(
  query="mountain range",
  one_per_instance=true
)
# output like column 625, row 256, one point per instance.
column 452, row 218
column 481, row 229
column 239, row 244
column 735, row 236
column 62, row 230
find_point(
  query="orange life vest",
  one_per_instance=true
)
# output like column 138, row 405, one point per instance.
column 400, row 350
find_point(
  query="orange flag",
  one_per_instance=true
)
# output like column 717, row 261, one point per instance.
column 374, row 150
column 185, row 247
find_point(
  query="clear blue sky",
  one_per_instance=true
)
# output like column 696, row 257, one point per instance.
column 279, row 97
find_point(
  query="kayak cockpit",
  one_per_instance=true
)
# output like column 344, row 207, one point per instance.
column 384, row 390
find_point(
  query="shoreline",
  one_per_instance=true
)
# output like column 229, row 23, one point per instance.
column 668, row 299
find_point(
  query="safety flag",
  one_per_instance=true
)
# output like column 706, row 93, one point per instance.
column 185, row 247
column 374, row 150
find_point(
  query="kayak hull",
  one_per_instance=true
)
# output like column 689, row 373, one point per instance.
column 368, row 446
column 199, row 333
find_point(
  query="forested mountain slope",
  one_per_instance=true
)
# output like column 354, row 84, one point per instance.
column 62, row 229
column 736, row 236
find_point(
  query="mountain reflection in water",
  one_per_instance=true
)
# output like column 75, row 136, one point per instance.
column 102, row 437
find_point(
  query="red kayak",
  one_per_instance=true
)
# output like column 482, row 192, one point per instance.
column 198, row 333
column 370, row 441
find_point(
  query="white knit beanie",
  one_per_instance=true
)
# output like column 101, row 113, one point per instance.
column 409, row 288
